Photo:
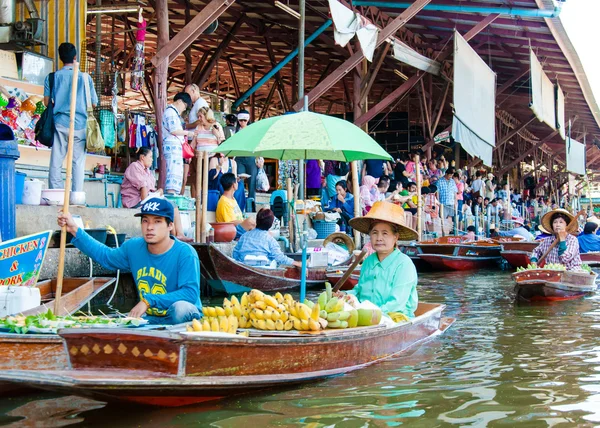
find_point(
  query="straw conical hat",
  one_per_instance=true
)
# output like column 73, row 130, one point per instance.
column 387, row 212
column 546, row 222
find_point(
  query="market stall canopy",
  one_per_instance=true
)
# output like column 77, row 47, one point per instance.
column 543, row 99
column 575, row 156
column 304, row 135
column 474, row 124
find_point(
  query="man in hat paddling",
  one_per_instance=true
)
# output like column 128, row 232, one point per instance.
column 166, row 271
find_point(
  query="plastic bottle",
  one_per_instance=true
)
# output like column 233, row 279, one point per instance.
column 211, row 235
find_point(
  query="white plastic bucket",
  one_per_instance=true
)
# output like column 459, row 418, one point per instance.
column 14, row 300
column 32, row 192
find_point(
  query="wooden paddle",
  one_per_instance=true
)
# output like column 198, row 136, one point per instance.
column 63, row 230
column 347, row 274
column 570, row 229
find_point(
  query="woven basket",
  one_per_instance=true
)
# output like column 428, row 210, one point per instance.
column 324, row 228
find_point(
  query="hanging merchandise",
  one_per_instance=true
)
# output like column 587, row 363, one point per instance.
column 107, row 126
column 137, row 65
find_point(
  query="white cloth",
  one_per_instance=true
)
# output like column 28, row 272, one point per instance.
column 347, row 24
column 407, row 55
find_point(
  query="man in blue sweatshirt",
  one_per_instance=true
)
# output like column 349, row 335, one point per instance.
column 166, row 271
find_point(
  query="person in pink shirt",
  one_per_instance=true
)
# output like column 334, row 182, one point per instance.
column 138, row 180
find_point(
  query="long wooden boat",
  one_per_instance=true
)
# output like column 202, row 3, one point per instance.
column 335, row 274
column 451, row 253
column 46, row 351
column 516, row 251
column 552, row 285
column 591, row 259
column 173, row 369
column 226, row 274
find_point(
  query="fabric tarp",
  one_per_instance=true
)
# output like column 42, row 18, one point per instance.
column 542, row 93
column 407, row 55
column 575, row 156
column 347, row 24
column 474, row 124
column 560, row 112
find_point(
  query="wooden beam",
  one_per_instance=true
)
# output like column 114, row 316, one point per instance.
column 410, row 83
column 234, row 80
column 191, row 31
column 267, row 104
column 217, row 55
column 373, row 71
column 351, row 63
column 160, row 83
column 278, row 80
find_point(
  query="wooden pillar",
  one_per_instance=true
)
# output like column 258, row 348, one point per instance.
column 188, row 51
column 419, row 201
column 457, row 155
column 354, row 165
column 160, row 82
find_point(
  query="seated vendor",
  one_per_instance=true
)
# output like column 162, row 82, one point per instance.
column 588, row 240
column 567, row 250
column 470, row 235
column 342, row 203
column 259, row 242
column 166, row 271
column 388, row 278
column 228, row 210
column 519, row 231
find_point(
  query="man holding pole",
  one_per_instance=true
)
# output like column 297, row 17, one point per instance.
column 166, row 271
column 60, row 96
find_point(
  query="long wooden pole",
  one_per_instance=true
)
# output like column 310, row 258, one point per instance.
column 204, row 194
column 199, row 157
column 419, row 202
column 356, row 192
column 63, row 230
column 291, row 213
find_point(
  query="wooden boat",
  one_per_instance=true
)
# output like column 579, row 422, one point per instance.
column 228, row 275
column 174, row 369
column 516, row 251
column 413, row 252
column 451, row 253
column 553, row 285
column 335, row 274
column 46, row 351
column 591, row 259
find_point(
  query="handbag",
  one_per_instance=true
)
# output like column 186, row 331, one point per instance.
column 44, row 128
column 187, row 150
column 93, row 136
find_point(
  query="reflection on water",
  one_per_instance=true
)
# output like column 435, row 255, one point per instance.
column 501, row 363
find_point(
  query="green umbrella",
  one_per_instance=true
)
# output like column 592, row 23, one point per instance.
column 304, row 135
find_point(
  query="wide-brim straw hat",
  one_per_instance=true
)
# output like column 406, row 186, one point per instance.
column 546, row 222
column 340, row 238
column 386, row 212
column 594, row 219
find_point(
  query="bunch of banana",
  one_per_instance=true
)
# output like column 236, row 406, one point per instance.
column 549, row 266
column 223, row 324
column 332, row 309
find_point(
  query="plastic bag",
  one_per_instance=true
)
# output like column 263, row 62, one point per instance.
column 262, row 181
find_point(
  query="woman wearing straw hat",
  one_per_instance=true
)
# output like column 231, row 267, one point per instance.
column 388, row 278
column 561, row 223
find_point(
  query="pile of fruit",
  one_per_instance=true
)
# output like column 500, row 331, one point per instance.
column 281, row 312
column 47, row 322
column 548, row 266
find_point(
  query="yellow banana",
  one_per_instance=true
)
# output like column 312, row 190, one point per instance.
column 305, row 325
column 279, row 325
column 271, row 301
column 214, row 324
column 285, row 315
column 220, row 311
column 258, row 314
column 339, row 306
column 212, row 312
column 268, row 313
column 270, row 324
column 260, row 305
column 243, row 322
column 261, row 324
column 297, row 323
column 189, row 328
column 292, row 310
column 275, row 316
column 237, row 310
column 226, row 302
column 244, row 333
column 314, row 314
column 223, row 324
column 279, row 297
column 303, row 311
column 313, row 325
column 228, row 310
column 233, row 324
column 196, row 325
column 244, row 301
column 257, row 295
column 205, row 311
column 288, row 325
column 206, row 325
column 235, row 301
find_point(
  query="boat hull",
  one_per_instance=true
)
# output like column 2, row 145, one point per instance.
column 591, row 259
column 552, row 285
column 516, row 258
column 549, row 292
column 167, row 369
column 444, row 262
column 47, row 351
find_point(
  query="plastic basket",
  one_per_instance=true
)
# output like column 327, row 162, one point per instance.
column 324, row 228
column 183, row 202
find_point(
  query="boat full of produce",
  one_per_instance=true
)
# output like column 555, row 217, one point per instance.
column 253, row 342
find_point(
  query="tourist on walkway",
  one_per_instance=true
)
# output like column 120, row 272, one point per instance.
column 61, row 98
column 166, row 271
column 173, row 136
column 588, row 240
column 447, row 193
column 259, row 242
column 247, row 164
column 368, row 193
column 197, row 102
column 388, row 278
column 567, row 250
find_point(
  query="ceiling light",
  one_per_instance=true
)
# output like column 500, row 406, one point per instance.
column 287, row 9
column 400, row 74
column 113, row 9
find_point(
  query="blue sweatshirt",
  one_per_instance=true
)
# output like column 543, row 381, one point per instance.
column 347, row 207
column 161, row 279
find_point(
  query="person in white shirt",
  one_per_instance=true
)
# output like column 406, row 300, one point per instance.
column 193, row 121
column 477, row 185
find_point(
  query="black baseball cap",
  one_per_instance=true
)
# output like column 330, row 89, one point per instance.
column 159, row 207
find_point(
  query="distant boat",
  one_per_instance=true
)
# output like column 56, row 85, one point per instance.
column 516, row 251
column 535, row 285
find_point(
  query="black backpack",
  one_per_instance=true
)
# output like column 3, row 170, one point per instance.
column 44, row 128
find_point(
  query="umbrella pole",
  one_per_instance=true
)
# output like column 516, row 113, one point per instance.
column 199, row 156
column 204, row 194
column 356, row 192
column 291, row 210
column 419, row 202
column 303, row 240
column 63, row 230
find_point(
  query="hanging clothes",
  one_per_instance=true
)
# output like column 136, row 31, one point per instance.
column 137, row 65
